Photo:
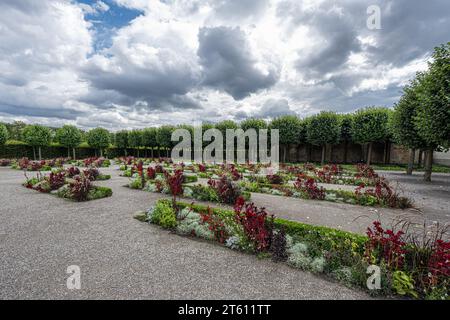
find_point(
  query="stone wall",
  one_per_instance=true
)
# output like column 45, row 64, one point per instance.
column 349, row 153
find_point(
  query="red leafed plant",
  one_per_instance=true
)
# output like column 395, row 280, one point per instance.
column 215, row 224
column 175, row 183
column 385, row 194
column 274, row 179
column 439, row 263
column 151, row 173
column 310, row 187
column 201, row 167
column 80, row 187
column 365, row 171
column 159, row 168
column 56, row 180
column 91, row 173
column 227, row 191
column 256, row 226
column 385, row 245
column 72, row 172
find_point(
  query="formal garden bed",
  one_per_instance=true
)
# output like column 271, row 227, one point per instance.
column 409, row 266
column 369, row 189
column 71, row 183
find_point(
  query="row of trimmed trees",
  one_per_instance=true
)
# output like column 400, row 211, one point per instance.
column 365, row 126
column 421, row 119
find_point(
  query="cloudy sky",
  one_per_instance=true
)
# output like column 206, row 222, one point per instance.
column 137, row 63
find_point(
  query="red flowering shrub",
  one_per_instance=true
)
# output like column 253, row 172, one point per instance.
column 201, row 167
column 309, row 187
column 254, row 222
column 386, row 246
column 227, row 191
column 215, row 224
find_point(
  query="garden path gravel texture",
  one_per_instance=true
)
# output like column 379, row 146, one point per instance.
column 122, row 258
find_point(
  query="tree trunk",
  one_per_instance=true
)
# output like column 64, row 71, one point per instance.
column 40, row 154
column 74, row 154
column 284, row 153
column 34, row 153
column 167, row 153
column 125, row 152
column 419, row 162
column 152, row 153
column 345, row 151
column 68, row 152
column 101, row 153
column 323, row 155
column 137, row 150
column 369, row 153
column 412, row 153
column 428, row 165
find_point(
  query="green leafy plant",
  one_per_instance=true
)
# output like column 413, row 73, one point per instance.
column 164, row 215
column 403, row 284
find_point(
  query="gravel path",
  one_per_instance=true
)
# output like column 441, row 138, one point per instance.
column 121, row 258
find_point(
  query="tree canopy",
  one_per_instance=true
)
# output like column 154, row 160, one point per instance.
column 36, row 135
column 68, row 136
column 3, row 134
column 98, row 138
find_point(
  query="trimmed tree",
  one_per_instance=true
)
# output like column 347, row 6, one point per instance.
column 163, row 137
column 121, row 140
column 433, row 114
column 402, row 123
column 149, row 139
column 253, row 123
column 3, row 134
column 135, row 140
column 99, row 139
column 370, row 125
column 323, row 130
column 37, row 136
column 346, row 121
column 69, row 137
column 290, row 131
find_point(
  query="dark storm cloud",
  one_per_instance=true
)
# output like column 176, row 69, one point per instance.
column 410, row 29
column 163, row 87
column 15, row 110
column 229, row 65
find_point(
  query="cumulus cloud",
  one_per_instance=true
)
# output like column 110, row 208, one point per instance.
column 229, row 65
column 273, row 108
